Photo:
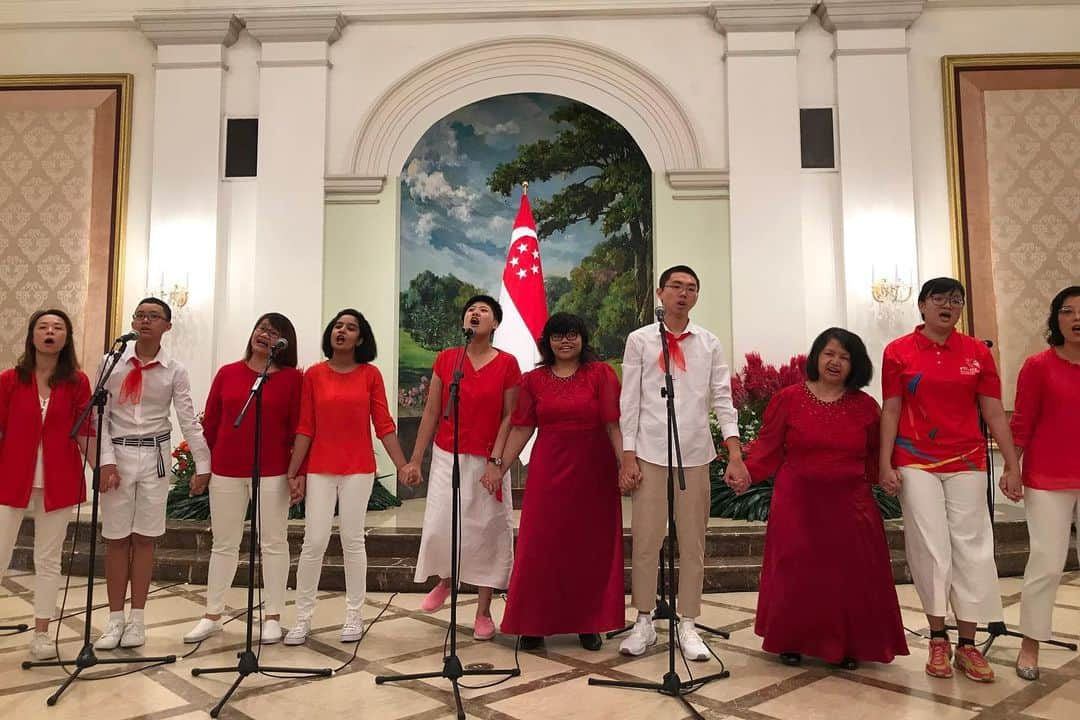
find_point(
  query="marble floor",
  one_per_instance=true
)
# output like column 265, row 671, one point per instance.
column 553, row 684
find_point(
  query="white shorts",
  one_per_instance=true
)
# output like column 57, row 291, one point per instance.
column 138, row 505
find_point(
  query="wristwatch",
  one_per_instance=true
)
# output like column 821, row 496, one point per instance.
column 496, row 461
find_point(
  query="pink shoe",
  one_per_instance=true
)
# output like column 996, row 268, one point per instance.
column 436, row 598
column 484, row 628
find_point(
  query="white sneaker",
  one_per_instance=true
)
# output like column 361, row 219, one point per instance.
column 353, row 628
column 42, row 646
column 270, row 633
column 110, row 639
column 298, row 634
column 202, row 630
column 693, row 647
column 134, row 635
column 641, row 637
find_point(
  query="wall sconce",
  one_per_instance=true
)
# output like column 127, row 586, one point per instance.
column 890, row 295
column 176, row 295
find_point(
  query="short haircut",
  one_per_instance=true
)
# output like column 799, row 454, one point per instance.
column 1054, row 336
column 862, row 369
column 496, row 308
column 67, row 363
column 666, row 275
column 287, row 357
column 366, row 351
column 157, row 301
column 560, row 324
column 940, row 286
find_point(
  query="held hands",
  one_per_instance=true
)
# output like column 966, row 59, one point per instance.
column 629, row 473
column 890, row 480
column 297, row 488
column 198, row 484
column 737, row 477
column 409, row 474
column 1010, row 484
column 492, row 478
column 110, row 478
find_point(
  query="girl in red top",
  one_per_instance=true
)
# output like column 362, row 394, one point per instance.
column 41, row 469
column 232, row 451
column 936, row 383
column 1044, row 423
column 341, row 400
column 488, row 394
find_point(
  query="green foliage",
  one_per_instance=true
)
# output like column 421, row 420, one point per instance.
column 431, row 309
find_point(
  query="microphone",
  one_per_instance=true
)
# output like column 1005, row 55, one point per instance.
column 278, row 346
column 660, row 314
column 469, row 332
column 988, row 343
column 126, row 338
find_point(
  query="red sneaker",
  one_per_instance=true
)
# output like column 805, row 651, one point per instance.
column 938, row 664
column 970, row 661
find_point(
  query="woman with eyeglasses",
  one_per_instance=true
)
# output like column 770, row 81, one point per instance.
column 232, row 451
column 568, row 574
column 936, row 383
column 1044, row 422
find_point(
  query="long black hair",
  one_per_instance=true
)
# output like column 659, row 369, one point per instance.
column 67, row 364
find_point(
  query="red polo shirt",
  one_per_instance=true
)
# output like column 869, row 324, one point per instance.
column 1045, row 420
column 939, row 386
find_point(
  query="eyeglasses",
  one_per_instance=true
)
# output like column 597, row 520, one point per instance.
column 679, row 287
column 268, row 332
column 943, row 300
column 1067, row 311
column 572, row 335
column 152, row 317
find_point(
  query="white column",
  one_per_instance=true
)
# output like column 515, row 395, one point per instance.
column 293, row 77
column 876, row 170
column 184, row 202
column 767, row 288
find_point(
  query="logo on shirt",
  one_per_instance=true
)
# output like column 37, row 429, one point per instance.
column 970, row 367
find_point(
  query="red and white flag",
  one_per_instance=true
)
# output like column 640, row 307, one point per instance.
column 522, row 297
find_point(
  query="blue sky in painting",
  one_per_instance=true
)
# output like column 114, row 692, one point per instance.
column 451, row 222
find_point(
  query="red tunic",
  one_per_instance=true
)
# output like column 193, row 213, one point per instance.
column 939, row 386
column 826, row 581
column 568, row 566
column 22, row 431
column 481, row 401
column 337, row 411
column 1045, row 420
column 233, row 449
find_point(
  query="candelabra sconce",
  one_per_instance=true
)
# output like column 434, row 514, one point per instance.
column 176, row 295
column 891, row 296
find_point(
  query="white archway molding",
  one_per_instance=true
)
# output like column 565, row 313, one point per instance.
column 588, row 73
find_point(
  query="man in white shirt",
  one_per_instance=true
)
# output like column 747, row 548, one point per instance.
column 702, row 381
column 135, row 451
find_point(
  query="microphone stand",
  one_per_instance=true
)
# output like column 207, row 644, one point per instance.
column 452, row 668
column 86, row 657
column 248, row 663
column 671, row 684
column 998, row 628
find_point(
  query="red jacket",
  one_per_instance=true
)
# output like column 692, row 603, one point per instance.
column 23, row 431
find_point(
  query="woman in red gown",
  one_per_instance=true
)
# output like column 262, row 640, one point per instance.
column 826, row 580
column 568, row 572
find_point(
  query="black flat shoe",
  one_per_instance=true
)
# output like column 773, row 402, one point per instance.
column 791, row 658
column 591, row 641
column 847, row 664
column 531, row 642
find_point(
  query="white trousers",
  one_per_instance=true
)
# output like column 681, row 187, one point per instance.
column 949, row 542
column 1050, row 513
column 351, row 493
column 229, row 499
column 50, row 528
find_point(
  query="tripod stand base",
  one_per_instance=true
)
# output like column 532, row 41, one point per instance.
column 452, row 671
column 999, row 629
column 87, row 659
column 249, row 665
column 20, row 628
column 671, row 685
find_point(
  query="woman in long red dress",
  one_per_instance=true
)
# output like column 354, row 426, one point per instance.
column 568, row 575
column 826, row 581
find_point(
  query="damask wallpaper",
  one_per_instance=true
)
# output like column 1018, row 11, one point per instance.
column 46, row 187
column 1033, row 172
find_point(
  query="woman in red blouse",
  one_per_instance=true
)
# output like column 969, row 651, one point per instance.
column 488, row 392
column 1044, row 423
column 232, row 451
column 342, row 399
column 41, row 469
column 819, row 441
column 936, row 383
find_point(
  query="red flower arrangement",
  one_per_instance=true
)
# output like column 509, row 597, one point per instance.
column 184, row 466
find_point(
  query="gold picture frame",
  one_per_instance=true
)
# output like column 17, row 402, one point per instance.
column 116, row 105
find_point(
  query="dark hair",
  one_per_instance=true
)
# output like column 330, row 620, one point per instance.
column 862, row 369
column 364, row 352
column 562, row 323
column 66, row 363
column 940, row 286
column 666, row 275
column 157, row 301
column 1053, row 328
column 287, row 357
column 496, row 308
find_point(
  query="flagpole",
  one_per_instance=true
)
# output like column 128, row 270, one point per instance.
column 525, row 188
